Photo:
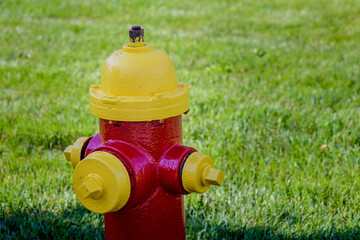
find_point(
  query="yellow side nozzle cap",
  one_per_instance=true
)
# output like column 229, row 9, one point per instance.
column 199, row 173
column 73, row 152
column 102, row 183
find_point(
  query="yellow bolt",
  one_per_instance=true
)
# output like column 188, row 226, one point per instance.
column 213, row 176
column 92, row 187
column 68, row 152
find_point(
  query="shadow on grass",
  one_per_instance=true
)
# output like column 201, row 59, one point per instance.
column 72, row 223
column 79, row 223
column 213, row 231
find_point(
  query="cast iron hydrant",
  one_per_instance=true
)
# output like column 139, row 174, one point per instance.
column 136, row 171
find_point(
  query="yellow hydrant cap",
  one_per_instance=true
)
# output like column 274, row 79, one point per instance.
column 73, row 152
column 199, row 173
column 138, row 83
column 102, row 183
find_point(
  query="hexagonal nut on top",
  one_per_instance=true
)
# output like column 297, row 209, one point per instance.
column 73, row 152
column 199, row 173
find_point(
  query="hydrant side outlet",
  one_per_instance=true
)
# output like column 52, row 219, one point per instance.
column 101, row 182
column 136, row 170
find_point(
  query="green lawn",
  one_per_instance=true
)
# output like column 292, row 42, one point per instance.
column 271, row 82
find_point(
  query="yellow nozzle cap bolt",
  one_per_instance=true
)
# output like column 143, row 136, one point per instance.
column 92, row 187
column 213, row 176
column 73, row 152
column 102, row 183
column 199, row 173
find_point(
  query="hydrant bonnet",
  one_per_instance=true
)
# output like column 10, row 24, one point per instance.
column 138, row 83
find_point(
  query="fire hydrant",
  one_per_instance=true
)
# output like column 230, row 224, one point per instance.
column 136, row 171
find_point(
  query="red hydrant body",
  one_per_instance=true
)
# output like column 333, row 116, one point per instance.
column 161, row 214
column 136, row 172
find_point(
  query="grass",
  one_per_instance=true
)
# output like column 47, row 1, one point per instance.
column 271, row 82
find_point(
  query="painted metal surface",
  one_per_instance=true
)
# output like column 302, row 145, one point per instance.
column 73, row 153
column 101, row 182
column 150, row 212
column 199, row 173
column 138, row 83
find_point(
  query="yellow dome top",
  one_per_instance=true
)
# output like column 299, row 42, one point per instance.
column 147, row 72
column 138, row 83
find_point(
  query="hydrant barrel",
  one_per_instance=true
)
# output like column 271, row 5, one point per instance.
column 161, row 214
column 136, row 171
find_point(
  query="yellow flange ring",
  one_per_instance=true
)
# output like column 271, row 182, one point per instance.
column 102, row 183
column 139, row 108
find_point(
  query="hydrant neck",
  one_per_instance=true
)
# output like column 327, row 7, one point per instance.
column 154, row 137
